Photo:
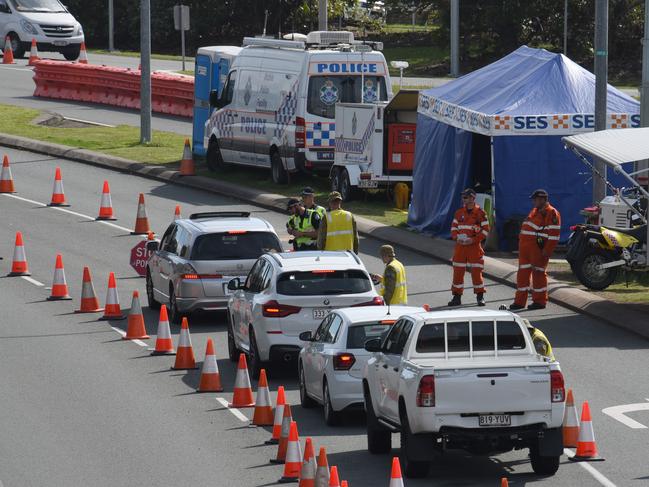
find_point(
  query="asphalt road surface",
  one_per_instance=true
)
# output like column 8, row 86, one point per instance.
column 80, row 406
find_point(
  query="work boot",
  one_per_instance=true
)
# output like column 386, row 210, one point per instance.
column 456, row 301
column 515, row 307
column 534, row 306
column 480, row 299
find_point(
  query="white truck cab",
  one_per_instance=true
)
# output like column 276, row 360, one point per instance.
column 47, row 21
column 277, row 108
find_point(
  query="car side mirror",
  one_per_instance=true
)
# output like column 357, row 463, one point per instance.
column 373, row 345
column 234, row 284
column 152, row 245
column 215, row 101
column 306, row 336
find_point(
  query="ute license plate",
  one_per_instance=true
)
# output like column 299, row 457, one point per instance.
column 368, row 184
column 491, row 420
column 320, row 313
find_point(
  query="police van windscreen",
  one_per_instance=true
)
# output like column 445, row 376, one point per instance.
column 325, row 91
column 234, row 245
column 323, row 282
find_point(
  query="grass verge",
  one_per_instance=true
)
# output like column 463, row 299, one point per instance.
column 136, row 54
column 420, row 58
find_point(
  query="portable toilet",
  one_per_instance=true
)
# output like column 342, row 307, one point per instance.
column 210, row 71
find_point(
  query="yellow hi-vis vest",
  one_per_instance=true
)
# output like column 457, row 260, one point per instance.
column 400, row 295
column 303, row 224
column 340, row 231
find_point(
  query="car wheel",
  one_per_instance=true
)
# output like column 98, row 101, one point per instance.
column 214, row 158
column 16, row 46
column 279, row 174
column 72, row 54
column 412, row 468
column 233, row 351
column 305, row 400
column 331, row 416
column 150, row 295
column 546, row 466
column 175, row 316
column 254, row 361
column 379, row 439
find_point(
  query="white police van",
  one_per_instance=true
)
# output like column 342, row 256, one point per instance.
column 277, row 108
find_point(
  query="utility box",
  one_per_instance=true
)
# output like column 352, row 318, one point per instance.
column 401, row 146
column 210, row 72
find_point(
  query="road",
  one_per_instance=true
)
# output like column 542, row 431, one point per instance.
column 79, row 405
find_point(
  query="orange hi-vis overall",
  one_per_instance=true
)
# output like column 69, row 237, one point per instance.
column 472, row 224
column 539, row 233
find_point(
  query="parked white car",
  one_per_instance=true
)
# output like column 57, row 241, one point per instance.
column 288, row 293
column 331, row 363
column 469, row 380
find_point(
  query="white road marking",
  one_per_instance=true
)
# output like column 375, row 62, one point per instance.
column 33, row 281
column 5, row 66
column 591, row 470
column 619, row 413
column 136, row 341
column 238, row 414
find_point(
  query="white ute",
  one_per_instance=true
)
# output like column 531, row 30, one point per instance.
column 469, row 380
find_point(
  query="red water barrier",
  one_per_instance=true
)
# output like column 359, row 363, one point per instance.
column 170, row 93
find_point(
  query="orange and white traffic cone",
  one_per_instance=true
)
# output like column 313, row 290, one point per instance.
column 242, row 397
column 59, row 285
column 6, row 180
column 141, row 220
column 106, row 205
column 280, row 401
column 177, row 213
column 8, row 56
column 334, row 481
column 112, row 311
column 163, row 343
column 136, row 329
column 210, row 376
column 19, row 265
column 283, row 437
column 322, row 469
column 83, row 54
column 263, row 415
column 33, row 53
column 396, row 479
column 185, row 352
column 89, row 301
column 58, row 195
column 570, row 423
column 586, row 446
column 293, row 462
column 187, row 162
column 307, row 472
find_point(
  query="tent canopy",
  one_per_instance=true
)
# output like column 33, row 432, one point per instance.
column 615, row 147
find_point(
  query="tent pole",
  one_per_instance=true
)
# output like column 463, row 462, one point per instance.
column 495, row 241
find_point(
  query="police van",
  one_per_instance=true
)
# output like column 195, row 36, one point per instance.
column 277, row 108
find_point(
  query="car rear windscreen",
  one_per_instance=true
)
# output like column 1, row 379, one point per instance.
column 327, row 282
column 508, row 334
column 232, row 246
column 357, row 335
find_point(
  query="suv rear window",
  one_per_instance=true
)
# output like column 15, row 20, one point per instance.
column 328, row 282
column 357, row 335
column 232, row 246
column 431, row 337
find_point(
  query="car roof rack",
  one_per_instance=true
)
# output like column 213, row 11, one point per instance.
column 220, row 214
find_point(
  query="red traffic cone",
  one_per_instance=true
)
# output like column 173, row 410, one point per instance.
column 334, row 481
column 586, row 446
column 343, row 483
column 187, row 162
column 19, row 265
column 322, row 469
column 8, row 56
column 141, row 221
column 89, row 301
column 177, row 213
column 58, row 195
column 106, row 206
column 83, row 54
column 210, row 377
column 279, row 416
column 283, row 437
column 6, row 180
column 112, row 311
column 136, row 329
column 293, row 463
column 396, row 480
column 504, row 482
column 185, row 352
column 263, row 415
column 307, row 472
column 163, row 342
column 242, row 397
column 59, row 285
column 570, row 423
column 33, row 54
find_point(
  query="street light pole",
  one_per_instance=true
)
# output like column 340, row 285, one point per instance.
column 565, row 27
column 322, row 14
column 601, row 86
column 111, row 26
column 455, row 38
column 145, row 73
column 644, row 89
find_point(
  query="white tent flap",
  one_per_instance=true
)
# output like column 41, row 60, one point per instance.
column 613, row 146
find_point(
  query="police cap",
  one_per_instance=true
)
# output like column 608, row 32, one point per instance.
column 292, row 202
column 539, row 193
column 308, row 191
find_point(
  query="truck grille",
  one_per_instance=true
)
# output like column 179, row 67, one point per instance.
column 58, row 31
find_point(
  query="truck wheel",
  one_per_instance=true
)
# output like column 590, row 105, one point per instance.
column 214, row 158
column 280, row 176
column 586, row 269
column 346, row 190
column 335, row 179
column 379, row 439
column 413, row 469
column 543, row 465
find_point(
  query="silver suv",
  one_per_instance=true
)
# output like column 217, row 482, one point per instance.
column 191, row 266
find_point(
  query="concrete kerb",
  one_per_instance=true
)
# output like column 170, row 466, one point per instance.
column 613, row 313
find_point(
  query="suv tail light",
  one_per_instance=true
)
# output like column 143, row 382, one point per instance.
column 557, row 385
column 344, row 361
column 300, row 133
column 426, row 392
column 377, row 301
column 273, row 309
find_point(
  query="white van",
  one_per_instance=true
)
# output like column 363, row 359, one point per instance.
column 47, row 21
column 277, row 108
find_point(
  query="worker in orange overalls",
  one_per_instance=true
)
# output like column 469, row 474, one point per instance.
column 470, row 227
column 539, row 236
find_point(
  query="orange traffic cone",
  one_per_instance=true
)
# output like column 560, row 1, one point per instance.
column 136, row 329
column 187, row 162
column 112, row 311
column 141, row 221
column 163, row 342
column 396, row 480
column 504, row 482
column 8, row 56
column 177, row 213
column 307, row 472
column 242, row 397
column 106, row 206
column 263, row 415
column 6, row 180
column 334, row 481
column 19, row 266
column 570, row 423
column 83, row 54
column 59, row 285
column 293, row 463
column 283, row 437
column 33, row 53
column 58, row 195
column 184, row 353
column 586, row 446
column 322, row 469
column 280, row 401
column 210, row 377
column 89, row 301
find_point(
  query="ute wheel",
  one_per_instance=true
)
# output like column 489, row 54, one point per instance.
column 214, row 158
column 413, row 469
column 379, row 439
column 331, row 416
column 233, row 351
column 586, row 270
column 306, row 401
column 153, row 304
column 546, row 466
column 279, row 174
column 254, row 362
column 175, row 316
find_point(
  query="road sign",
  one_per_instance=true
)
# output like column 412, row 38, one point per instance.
column 181, row 17
column 619, row 413
column 139, row 257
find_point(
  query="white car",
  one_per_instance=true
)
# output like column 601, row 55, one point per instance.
column 288, row 293
column 331, row 363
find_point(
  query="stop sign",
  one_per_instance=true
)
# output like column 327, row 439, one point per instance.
column 139, row 257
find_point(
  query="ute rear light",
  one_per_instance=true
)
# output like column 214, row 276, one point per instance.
column 557, row 386
column 344, row 361
column 377, row 301
column 426, row 392
column 300, row 133
column 273, row 309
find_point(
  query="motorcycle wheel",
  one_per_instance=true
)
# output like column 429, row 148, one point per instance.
column 586, row 270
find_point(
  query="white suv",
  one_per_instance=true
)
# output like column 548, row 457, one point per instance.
column 288, row 293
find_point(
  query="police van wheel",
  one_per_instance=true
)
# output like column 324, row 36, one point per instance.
column 280, row 176
column 214, row 159
column 345, row 186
